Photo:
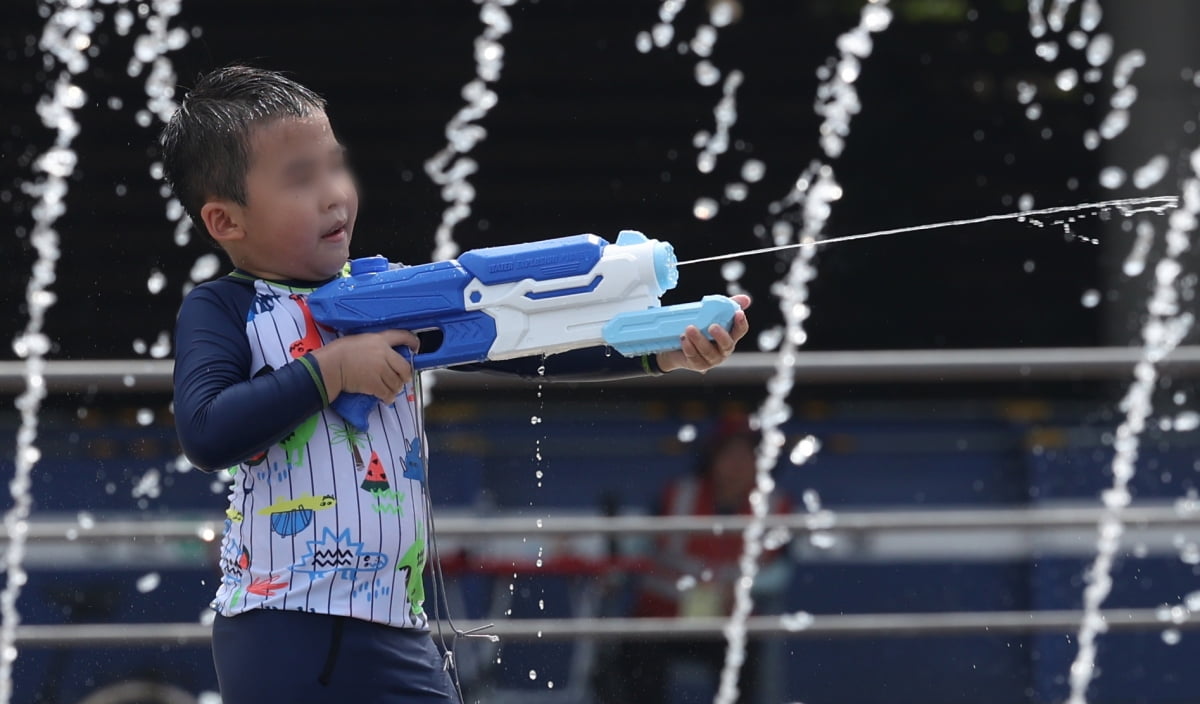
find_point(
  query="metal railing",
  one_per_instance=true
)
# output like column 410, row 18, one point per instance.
column 459, row 526
column 1057, row 364
column 887, row 625
column 1041, row 364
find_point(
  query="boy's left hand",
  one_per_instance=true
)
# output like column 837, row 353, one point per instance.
column 699, row 353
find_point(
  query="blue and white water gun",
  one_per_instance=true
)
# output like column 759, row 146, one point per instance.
column 520, row 300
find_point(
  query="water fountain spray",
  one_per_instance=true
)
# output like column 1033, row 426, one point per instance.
column 815, row 191
column 65, row 40
column 1165, row 327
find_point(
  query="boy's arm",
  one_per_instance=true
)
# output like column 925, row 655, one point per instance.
column 696, row 353
column 223, row 416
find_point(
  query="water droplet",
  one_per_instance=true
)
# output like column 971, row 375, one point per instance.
column 1112, row 177
column 662, row 33
column 812, row 500
column 1029, row 266
column 1091, row 298
column 685, row 583
column 722, row 13
column 705, row 209
column 706, row 73
column 822, row 541
column 687, row 433
column 1171, row 636
column 1189, row 420
column 534, row 420
column 643, row 42
column 145, row 416
column 1114, row 123
column 148, row 582
column 797, row 621
column 769, row 339
column 156, row 282
column 1046, row 51
column 804, row 450
column 86, row 520
column 162, row 346
column 1100, row 49
column 736, row 192
column 875, row 17
column 1026, row 92
column 1151, row 172
column 1066, row 79
column 205, row 268
column 733, row 270
column 753, row 170
column 1025, row 202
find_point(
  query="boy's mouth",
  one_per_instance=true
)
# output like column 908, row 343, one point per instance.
column 336, row 234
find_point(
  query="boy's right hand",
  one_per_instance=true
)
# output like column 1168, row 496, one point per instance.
column 367, row 364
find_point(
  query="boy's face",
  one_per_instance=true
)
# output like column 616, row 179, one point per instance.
column 301, row 203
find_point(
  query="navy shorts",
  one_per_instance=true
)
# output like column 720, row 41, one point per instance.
column 302, row 658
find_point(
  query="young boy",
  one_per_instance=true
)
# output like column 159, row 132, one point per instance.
column 325, row 545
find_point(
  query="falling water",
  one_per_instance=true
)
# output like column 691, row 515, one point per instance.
column 815, row 191
column 1165, row 327
column 64, row 41
column 451, row 166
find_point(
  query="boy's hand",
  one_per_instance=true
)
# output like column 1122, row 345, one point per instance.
column 699, row 353
column 367, row 364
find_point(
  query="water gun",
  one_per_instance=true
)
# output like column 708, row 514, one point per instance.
column 519, row 300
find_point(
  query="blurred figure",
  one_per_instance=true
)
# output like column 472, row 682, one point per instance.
column 695, row 577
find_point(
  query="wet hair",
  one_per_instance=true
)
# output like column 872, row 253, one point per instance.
column 206, row 144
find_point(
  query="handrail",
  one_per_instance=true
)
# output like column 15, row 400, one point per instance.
column 460, row 526
column 790, row 625
column 1040, row 364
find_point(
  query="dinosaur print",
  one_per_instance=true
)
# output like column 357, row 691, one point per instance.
column 312, row 336
column 293, row 443
column 413, row 562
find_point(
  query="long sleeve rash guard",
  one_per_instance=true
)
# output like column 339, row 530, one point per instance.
column 321, row 517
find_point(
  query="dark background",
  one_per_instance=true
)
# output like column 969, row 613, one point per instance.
column 592, row 136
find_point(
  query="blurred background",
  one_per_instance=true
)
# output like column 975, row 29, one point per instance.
column 964, row 113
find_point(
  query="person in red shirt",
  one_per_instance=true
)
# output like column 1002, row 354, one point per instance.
column 696, row 572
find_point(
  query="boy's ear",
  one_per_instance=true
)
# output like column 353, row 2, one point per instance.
column 223, row 220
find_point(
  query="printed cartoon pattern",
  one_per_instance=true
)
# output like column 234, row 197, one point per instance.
column 312, row 337
column 413, row 565
column 291, row 517
column 293, row 443
column 339, row 554
column 324, row 519
column 414, row 464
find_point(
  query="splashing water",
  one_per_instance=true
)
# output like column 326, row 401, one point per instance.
column 815, row 192
column 1165, row 327
column 65, row 39
column 1125, row 206
column 451, row 166
column 152, row 48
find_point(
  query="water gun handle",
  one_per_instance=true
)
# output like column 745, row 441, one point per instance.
column 355, row 408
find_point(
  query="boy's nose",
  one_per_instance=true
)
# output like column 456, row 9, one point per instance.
column 339, row 193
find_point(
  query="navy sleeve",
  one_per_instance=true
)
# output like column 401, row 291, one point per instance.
column 222, row 415
column 589, row 364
